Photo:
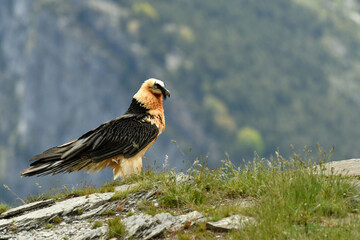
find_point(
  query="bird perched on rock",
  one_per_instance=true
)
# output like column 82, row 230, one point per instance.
column 119, row 144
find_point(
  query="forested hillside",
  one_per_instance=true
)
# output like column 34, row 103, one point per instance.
column 279, row 73
column 245, row 75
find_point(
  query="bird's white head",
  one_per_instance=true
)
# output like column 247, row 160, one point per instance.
column 157, row 87
column 152, row 87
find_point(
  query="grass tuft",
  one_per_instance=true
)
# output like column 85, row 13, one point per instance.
column 97, row 224
column 49, row 226
column 4, row 207
column 56, row 220
column 108, row 213
column 116, row 228
column 79, row 211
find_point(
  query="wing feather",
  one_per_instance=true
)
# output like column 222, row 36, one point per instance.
column 126, row 135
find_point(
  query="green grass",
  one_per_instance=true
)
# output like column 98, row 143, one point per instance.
column 79, row 211
column 290, row 199
column 4, row 207
column 97, row 224
column 293, row 198
column 116, row 228
column 56, row 220
column 49, row 226
column 148, row 207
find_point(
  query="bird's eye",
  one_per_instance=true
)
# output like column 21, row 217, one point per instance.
column 156, row 85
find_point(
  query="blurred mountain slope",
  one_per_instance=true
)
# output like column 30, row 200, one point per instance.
column 244, row 75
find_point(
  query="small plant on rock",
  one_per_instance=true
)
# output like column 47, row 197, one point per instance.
column 97, row 224
column 116, row 228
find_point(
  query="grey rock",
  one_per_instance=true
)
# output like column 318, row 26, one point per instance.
column 350, row 167
column 92, row 233
column 194, row 217
column 142, row 226
column 145, row 226
column 234, row 222
column 26, row 207
column 91, row 213
column 5, row 237
column 80, row 230
column 66, row 207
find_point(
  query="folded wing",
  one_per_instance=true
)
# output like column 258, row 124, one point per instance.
column 126, row 135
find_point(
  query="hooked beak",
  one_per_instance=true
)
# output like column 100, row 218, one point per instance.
column 165, row 92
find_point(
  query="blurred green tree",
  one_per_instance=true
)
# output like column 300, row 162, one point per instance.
column 249, row 140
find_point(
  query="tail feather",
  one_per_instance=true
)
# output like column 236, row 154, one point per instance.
column 52, row 152
column 58, row 159
column 74, row 148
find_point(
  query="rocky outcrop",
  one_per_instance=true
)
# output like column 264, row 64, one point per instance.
column 66, row 219
column 86, row 217
column 74, row 218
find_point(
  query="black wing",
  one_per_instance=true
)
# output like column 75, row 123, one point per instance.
column 125, row 135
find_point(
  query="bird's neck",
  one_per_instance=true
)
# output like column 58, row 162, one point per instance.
column 149, row 100
column 152, row 108
column 136, row 108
